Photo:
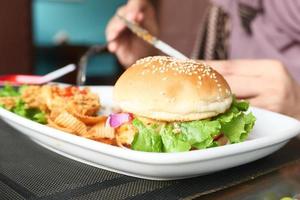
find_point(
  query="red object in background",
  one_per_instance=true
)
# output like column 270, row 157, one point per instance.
column 15, row 79
column 18, row 79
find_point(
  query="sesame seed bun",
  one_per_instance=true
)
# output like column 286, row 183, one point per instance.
column 169, row 89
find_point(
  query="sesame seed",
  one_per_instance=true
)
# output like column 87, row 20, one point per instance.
column 163, row 64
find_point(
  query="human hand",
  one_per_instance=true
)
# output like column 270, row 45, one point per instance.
column 265, row 83
column 127, row 46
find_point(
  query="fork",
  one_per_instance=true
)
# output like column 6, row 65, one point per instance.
column 83, row 61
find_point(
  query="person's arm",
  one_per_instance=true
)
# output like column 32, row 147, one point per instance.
column 128, row 47
column 265, row 83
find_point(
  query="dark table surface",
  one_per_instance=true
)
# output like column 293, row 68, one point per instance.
column 29, row 171
column 284, row 182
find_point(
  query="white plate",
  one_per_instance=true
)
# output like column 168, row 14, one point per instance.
column 270, row 133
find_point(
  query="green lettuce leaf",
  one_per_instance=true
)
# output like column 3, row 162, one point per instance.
column 29, row 113
column 171, row 141
column 241, row 105
column 22, row 88
column 36, row 115
column 20, row 107
column 8, row 91
column 147, row 138
column 200, row 133
column 205, row 144
column 235, row 123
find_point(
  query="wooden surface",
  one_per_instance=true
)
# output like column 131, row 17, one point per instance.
column 281, row 183
column 274, row 185
column 15, row 37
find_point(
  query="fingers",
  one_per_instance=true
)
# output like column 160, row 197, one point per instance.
column 133, row 11
column 236, row 67
column 266, row 103
column 244, row 87
column 127, row 46
column 146, row 16
column 257, row 102
column 115, row 26
column 121, row 40
column 122, row 52
column 264, row 83
column 134, row 8
column 112, row 46
column 245, row 67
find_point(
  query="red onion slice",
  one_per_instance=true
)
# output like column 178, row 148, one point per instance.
column 117, row 119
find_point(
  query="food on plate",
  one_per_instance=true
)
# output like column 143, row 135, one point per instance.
column 171, row 105
column 69, row 109
column 10, row 99
column 166, row 105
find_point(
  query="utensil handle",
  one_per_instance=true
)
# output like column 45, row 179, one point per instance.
column 146, row 36
column 58, row 73
column 167, row 49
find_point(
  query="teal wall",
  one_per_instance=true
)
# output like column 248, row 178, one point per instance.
column 84, row 22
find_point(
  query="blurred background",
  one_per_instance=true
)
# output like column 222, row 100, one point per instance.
column 39, row 36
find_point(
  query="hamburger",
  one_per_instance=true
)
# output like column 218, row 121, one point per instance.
column 172, row 105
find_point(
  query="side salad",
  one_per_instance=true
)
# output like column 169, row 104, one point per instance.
column 18, row 106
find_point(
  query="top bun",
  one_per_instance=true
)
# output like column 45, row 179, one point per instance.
column 169, row 89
